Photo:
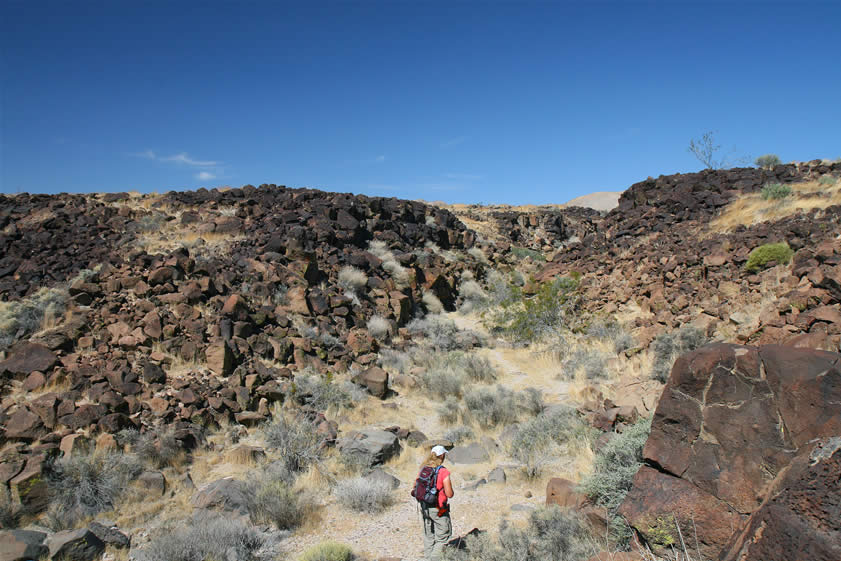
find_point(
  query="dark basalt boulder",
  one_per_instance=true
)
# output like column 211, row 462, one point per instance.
column 730, row 419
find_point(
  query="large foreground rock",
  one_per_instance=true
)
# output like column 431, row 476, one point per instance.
column 801, row 516
column 22, row 545
column 79, row 545
column 731, row 418
column 370, row 447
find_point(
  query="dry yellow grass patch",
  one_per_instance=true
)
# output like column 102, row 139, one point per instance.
column 139, row 507
column 752, row 209
column 174, row 236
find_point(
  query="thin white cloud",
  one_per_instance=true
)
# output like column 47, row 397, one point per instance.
column 205, row 176
column 379, row 159
column 147, row 154
column 464, row 176
column 183, row 158
column 453, row 141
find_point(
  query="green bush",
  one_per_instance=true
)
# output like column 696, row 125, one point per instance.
column 827, row 180
column 522, row 253
column 327, row 551
column 527, row 319
column 668, row 346
column 767, row 161
column 614, row 468
column 552, row 534
column 780, row 253
column 204, row 538
column 775, row 191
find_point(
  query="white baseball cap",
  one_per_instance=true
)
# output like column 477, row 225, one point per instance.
column 439, row 450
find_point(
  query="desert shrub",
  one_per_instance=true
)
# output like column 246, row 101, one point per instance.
column 323, row 393
column 399, row 274
column 152, row 222
column 490, row 408
column 530, row 401
column 379, row 327
column 767, row 161
column 775, row 191
column 86, row 484
column 477, row 254
column 501, row 289
column 152, row 448
column 23, row 317
column 351, row 278
column 668, row 346
column 471, row 297
column 443, row 381
column 397, row 361
column 459, row 434
column 431, row 302
column 614, row 468
column 780, row 253
column 449, row 410
column 364, row 494
column 555, row 306
column 442, row 334
column 205, row 538
column 552, row 534
column 272, row 500
column 476, row 368
column 827, row 180
column 391, row 359
column 535, row 441
column 297, row 441
column 379, row 249
column 591, row 362
column 328, row 551
column 521, row 253
column 611, row 331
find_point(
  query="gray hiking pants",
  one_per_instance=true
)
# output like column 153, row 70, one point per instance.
column 437, row 531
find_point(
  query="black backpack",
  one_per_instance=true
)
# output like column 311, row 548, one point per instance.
column 425, row 490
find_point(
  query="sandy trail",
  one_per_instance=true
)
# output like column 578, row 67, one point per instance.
column 396, row 532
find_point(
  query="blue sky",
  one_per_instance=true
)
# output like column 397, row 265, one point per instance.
column 459, row 101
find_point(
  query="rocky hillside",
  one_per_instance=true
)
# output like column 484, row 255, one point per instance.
column 185, row 315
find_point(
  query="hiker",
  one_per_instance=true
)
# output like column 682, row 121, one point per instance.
column 437, row 527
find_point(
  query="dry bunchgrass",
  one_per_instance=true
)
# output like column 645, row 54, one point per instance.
column 174, row 236
column 752, row 208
